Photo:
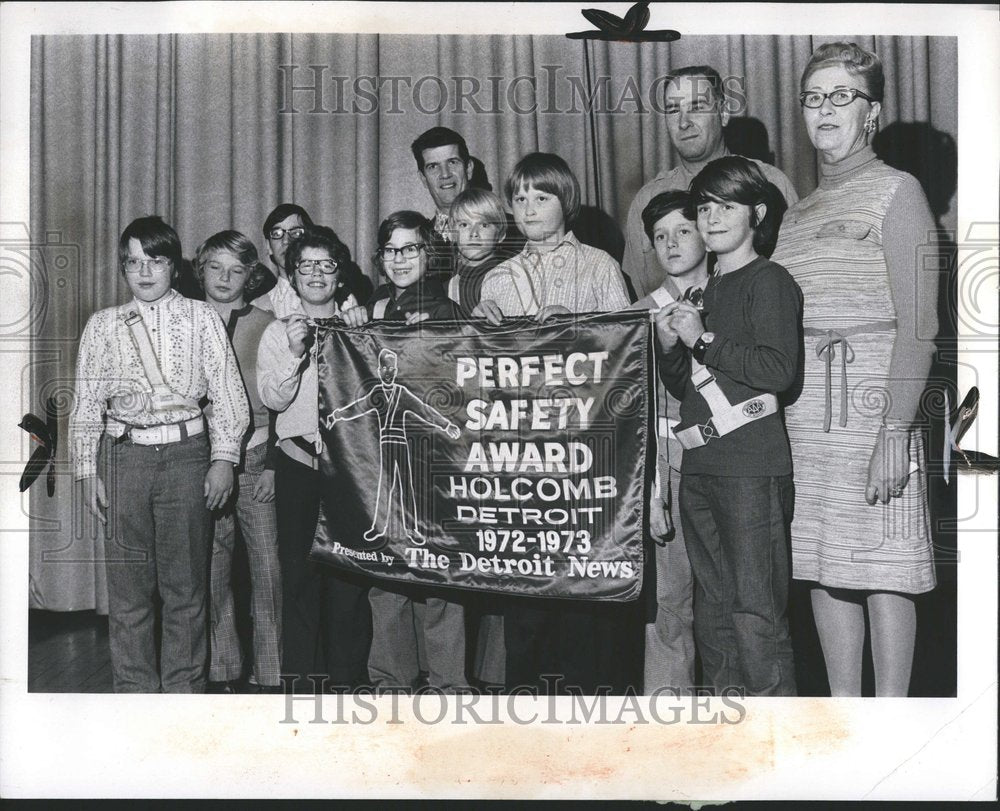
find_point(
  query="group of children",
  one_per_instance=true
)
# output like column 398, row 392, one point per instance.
column 727, row 347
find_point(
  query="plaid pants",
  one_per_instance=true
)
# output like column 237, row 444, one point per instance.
column 259, row 528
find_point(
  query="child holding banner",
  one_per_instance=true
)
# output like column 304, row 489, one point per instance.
column 404, row 617
column 555, row 273
column 325, row 614
column 584, row 645
column 669, row 650
column 726, row 365
column 479, row 224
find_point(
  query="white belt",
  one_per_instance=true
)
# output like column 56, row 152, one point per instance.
column 726, row 417
column 166, row 434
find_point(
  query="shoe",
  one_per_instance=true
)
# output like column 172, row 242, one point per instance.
column 221, row 687
column 372, row 535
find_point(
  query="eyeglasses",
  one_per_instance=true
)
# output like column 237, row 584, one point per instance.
column 410, row 251
column 840, row 97
column 293, row 233
column 157, row 264
column 218, row 267
column 307, row 267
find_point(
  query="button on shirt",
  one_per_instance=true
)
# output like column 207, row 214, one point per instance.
column 579, row 277
column 195, row 358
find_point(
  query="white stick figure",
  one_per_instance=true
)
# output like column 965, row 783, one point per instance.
column 392, row 403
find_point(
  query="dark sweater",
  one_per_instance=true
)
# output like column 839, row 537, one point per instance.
column 470, row 281
column 756, row 315
column 426, row 296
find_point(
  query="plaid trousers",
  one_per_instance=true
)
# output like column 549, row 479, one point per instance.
column 259, row 529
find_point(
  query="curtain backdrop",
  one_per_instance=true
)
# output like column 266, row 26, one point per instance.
column 212, row 131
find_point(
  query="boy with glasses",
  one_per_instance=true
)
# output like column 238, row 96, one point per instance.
column 286, row 223
column 326, row 622
column 142, row 370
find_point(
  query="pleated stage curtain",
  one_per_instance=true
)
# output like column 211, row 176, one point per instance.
column 212, row 131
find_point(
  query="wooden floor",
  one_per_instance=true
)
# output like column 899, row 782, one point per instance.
column 68, row 652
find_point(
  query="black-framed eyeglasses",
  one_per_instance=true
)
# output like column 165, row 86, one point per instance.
column 307, row 267
column 157, row 264
column 409, row 251
column 840, row 97
column 294, row 232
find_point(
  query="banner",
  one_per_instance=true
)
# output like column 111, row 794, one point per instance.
column 509, row 459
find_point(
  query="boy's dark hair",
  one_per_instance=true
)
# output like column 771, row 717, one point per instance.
column 323, row 238
column 736, row 179
column 407, row 219
column 661, row 205
column 283, row 211
column 240, row 246
column 435, row 137
column 157, row 239
column 710, row 74
column 548, row 173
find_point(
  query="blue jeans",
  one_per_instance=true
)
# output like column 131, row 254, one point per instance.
column 737, row 539
column 160, row 543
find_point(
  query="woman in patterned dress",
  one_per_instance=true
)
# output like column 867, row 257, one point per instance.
column 861, row 531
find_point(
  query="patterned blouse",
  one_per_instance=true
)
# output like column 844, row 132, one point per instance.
column 196, row 360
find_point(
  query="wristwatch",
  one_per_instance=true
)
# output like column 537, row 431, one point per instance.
column 701, row 346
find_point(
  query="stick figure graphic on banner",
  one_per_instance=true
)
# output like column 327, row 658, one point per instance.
column 392, row 402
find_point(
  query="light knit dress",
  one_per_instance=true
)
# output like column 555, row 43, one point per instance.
column 831, row 243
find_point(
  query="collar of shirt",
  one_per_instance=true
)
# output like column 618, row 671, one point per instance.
column 146, row 307
column 536, row 258
column 441, row 226
column 681, row 170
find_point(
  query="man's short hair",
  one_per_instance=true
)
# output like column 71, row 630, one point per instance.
column 156, row 238
column 710, row 74
column 283, row 211
column 661, row 205
column 548, row 173
column 323, row 238
column 435, row 137
column 240, row 246
column 386, row 353
column 481, row 205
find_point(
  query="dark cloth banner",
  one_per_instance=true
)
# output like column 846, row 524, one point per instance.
column 509, row 459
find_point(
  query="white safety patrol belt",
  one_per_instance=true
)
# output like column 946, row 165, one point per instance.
column 163, row 397
column 378, row 311
column 726, row 417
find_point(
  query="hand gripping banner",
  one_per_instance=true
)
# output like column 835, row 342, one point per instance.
column 510, row 459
